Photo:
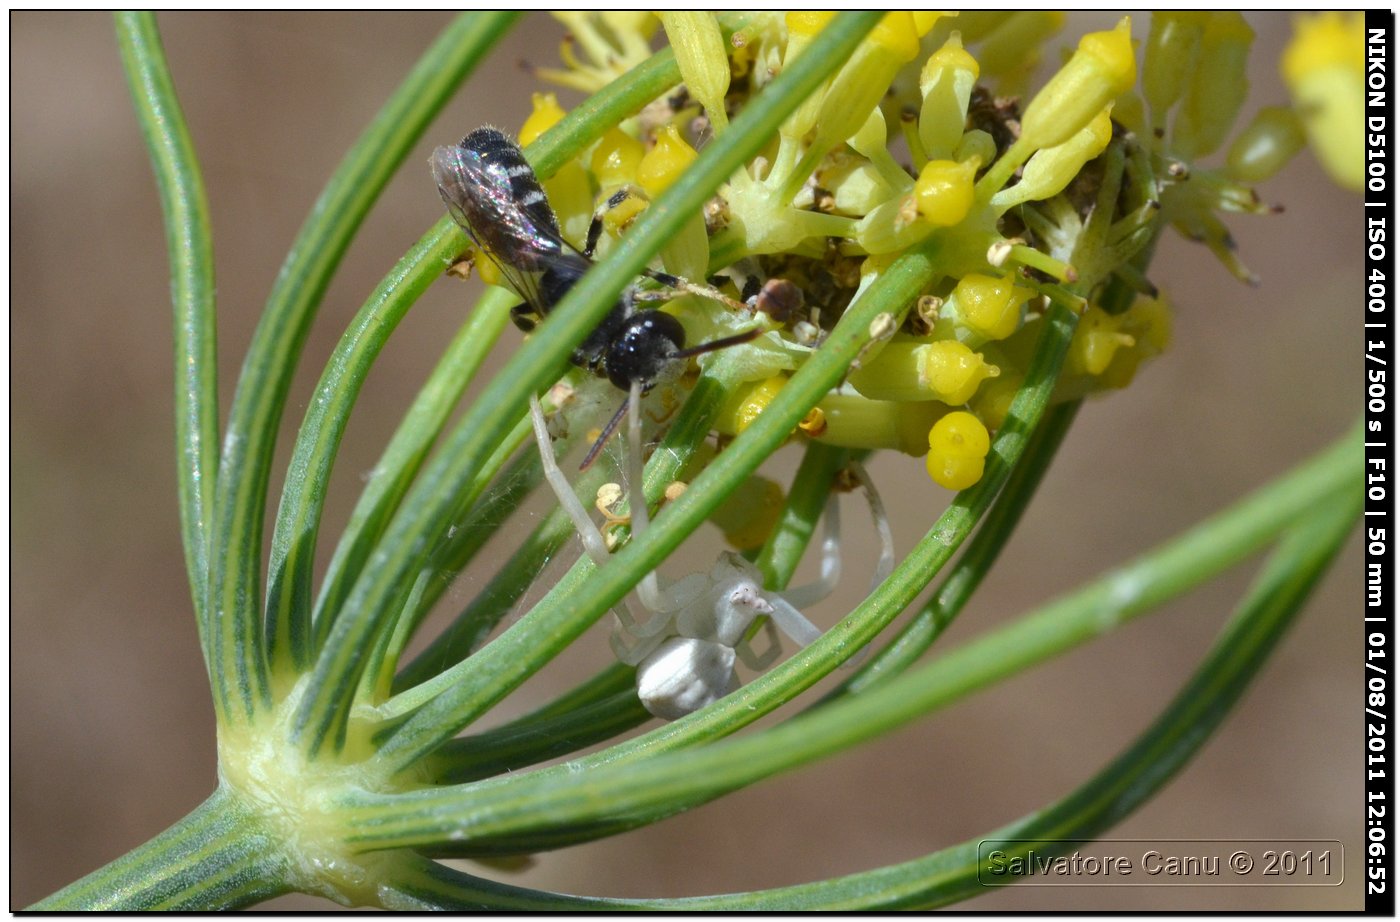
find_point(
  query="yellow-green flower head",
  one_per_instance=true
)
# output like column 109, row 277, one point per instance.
column 1101, row 69
column 1324, row 67
column 1052, row 168
column 958, row 445
column 699, row 48
column 945, row 83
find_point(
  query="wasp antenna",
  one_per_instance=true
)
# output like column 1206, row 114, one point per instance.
column 603, row 436
column 715, row 344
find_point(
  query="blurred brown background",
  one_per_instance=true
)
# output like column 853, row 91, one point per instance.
column 111, row 734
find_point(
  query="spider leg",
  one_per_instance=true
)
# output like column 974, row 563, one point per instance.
column 649, row 589
column 792, row 622
column 641, row 648
column 885, row 565
column 752, row 658
column 593, row 543
column 825, row 584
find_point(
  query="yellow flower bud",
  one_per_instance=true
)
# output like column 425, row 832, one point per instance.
column 616, row 158
column 958, row 446
column 699, row 48
column 946, row 84
column 912, row 370
column 1266, row 145
column 544, row 115
column 953, row 371
column 665, row 162
column 1101, row 69
column 944, row 191
column 989, row 307
column 1324, row 67
column 1052, row 168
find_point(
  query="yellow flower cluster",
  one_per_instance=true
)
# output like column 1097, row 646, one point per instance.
column 1018, row 198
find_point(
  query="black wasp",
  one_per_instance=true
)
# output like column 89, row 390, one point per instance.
column 493, row 194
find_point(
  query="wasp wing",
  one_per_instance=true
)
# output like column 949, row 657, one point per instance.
column 519, row 237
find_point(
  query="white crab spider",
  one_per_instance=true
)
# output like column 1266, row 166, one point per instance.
column 685, row 652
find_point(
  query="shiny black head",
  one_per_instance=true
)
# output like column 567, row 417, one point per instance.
column 642, row 348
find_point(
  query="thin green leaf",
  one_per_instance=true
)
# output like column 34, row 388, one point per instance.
column 240, row 666
column 188, row 242
column 313, row 259
column 409, row 446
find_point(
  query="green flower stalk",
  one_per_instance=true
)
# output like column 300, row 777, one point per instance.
column 894, row 258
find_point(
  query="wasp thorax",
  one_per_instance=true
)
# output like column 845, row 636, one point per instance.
column 645, row 345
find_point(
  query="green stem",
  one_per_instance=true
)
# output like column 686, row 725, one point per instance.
column 217, row 857
column 187, row 240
